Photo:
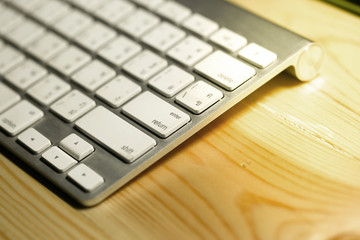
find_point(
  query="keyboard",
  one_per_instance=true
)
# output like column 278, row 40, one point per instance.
column 93, row 92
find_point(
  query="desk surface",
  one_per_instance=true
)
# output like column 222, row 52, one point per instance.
column 282, row 164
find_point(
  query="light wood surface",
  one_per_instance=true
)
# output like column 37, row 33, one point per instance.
column 282, row 164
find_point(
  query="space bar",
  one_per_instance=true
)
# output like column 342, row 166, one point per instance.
column 115, row 134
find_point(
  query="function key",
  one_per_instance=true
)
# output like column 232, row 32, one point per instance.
column 89, row 5
column 28, row 5
column 51, row 11
column 174, row 11
column 200, row 25
column 228, row 40
column 150, row 4
column 138, row 23
column 257, row 55
column 114, row 11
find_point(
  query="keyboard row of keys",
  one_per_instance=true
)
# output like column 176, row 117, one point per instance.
column 127, row 19
column 188, row 51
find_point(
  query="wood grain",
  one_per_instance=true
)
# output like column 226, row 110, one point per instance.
column 282, row 164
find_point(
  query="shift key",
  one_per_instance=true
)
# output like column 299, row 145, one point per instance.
column 115, row 134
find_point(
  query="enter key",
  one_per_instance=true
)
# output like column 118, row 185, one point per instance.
column 155, row 114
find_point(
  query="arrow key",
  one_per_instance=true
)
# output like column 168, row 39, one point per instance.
column 85, row 177
column 76, row 146
column 58, row 159
column 33, row 140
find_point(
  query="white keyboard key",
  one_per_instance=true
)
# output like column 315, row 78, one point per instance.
column 228, row 40
column 9, row 19
column 145, row 65
column 58, row 159
column 51, row 11
column 26, row 33
column 116, row 134
column 8, row 97
column 26, row 74
column 49, row 89
column 85, row 177
column 150, row 4
column 9, row 58
column 174, row 11
column 93, row 75
column 190, row 51
column 95, row 36
column 200, row 25
column 33, row 140
column 76, row 147
column 70, row 60
column 19, row 117
column 224, row 70
column 48, row 46
column 138, row 23
column 198, row 97
column 28, row 5
column 72, row 106
column 163, row 36
column 171, row 81
column 118, row 91
column 257, row 55
column 89, row 5
column 115, row 10
column 119, row 50
column 155, row 114
column 73, row 24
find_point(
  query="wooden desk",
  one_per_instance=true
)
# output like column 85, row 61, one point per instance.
column 282, row 164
